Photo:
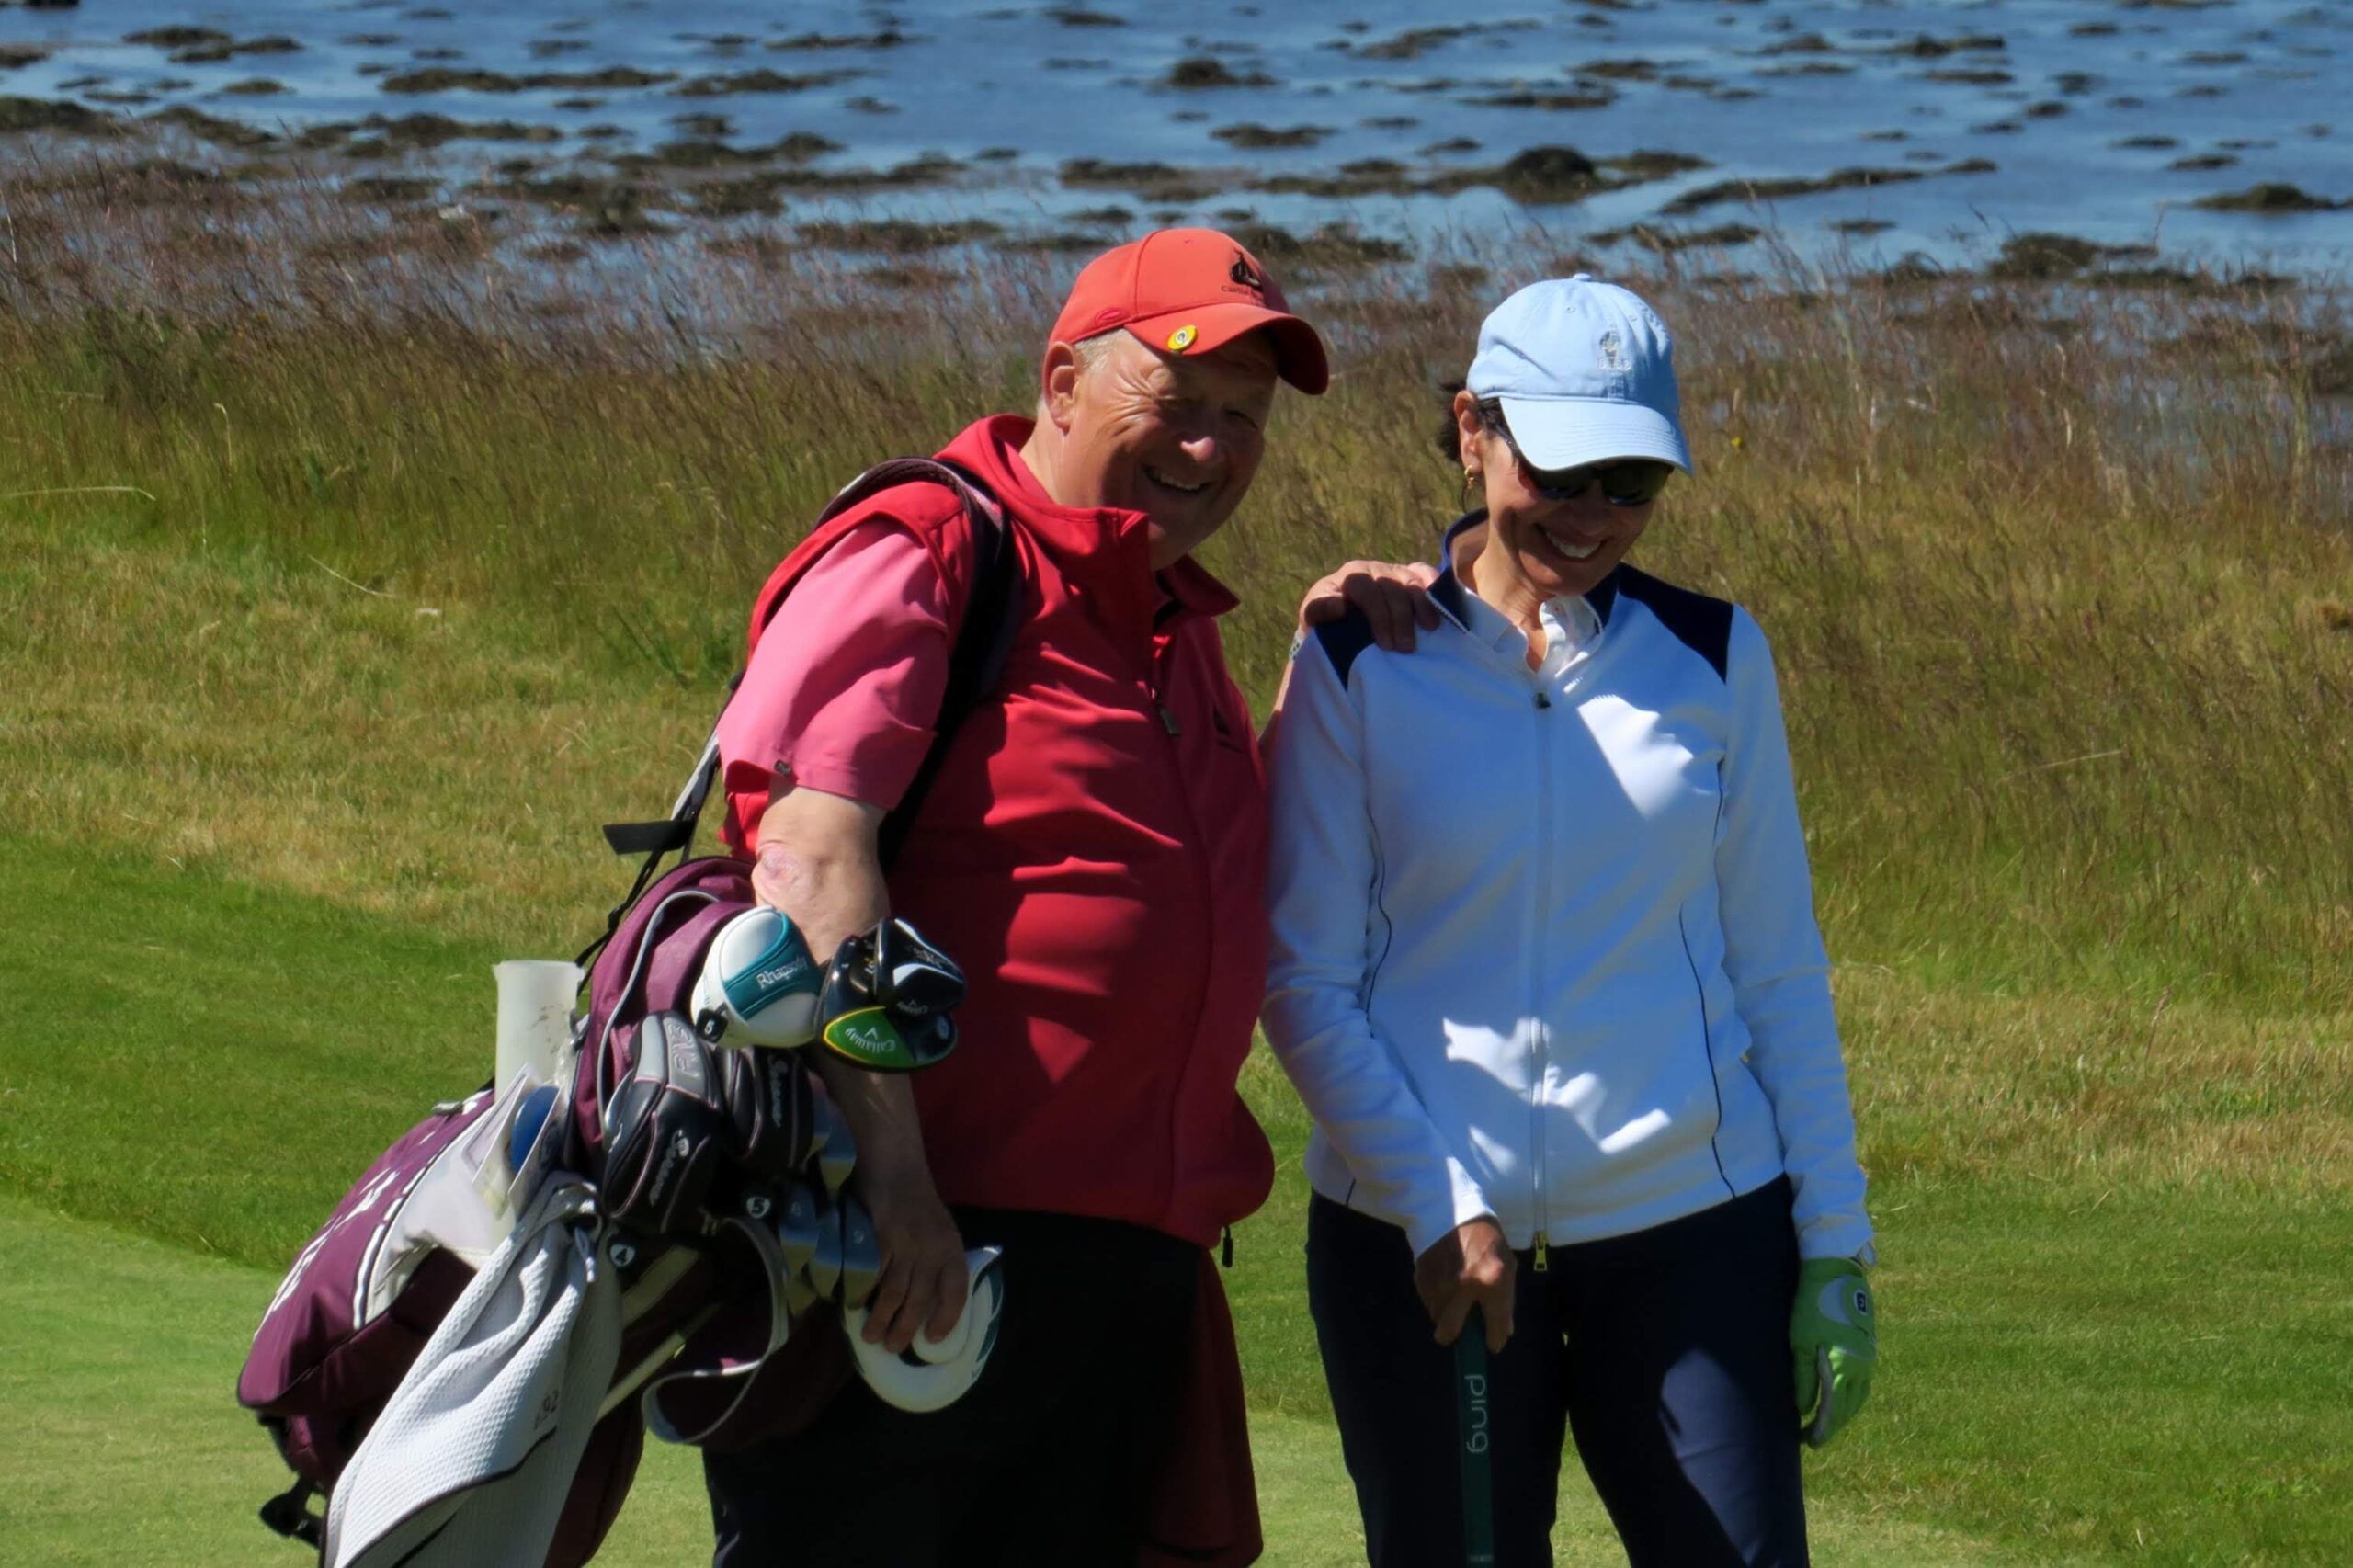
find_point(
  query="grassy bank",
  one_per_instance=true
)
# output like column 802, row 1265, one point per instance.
column 2061, row 583
column 2090, row 1358
column 343, row 601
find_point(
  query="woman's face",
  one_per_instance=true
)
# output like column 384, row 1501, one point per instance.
column 1556, row 548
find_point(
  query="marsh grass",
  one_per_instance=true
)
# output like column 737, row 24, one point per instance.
column 2058, row 580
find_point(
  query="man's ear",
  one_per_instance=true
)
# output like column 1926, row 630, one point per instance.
column 1469, row 427
column 1058, row 384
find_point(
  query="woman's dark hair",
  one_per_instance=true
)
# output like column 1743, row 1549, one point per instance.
column 1449, row 431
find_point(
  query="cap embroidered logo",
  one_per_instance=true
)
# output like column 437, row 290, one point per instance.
column 1613, row 351
column 1246, row 274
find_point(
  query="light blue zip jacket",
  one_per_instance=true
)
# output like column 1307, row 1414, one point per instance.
column 1544, row 941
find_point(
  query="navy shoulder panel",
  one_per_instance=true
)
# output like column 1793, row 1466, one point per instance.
column 1343, row 640
column 1703, row 625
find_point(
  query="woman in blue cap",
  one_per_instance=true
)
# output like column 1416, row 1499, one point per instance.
column 1546, row 971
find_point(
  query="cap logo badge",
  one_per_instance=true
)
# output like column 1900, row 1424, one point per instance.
column 1613, row 351
column 1245, row 273
column 1182, row 338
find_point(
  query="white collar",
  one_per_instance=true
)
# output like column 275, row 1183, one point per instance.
column 1569, row 624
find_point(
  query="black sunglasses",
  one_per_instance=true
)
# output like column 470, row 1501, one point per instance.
column 1628, row 481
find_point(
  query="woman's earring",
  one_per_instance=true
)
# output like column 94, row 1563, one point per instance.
column 1470, row 482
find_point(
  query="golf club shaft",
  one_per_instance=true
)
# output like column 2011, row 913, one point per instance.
column 636, row 1377
column 1472, row 1413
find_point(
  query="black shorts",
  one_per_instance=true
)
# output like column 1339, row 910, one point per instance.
column 1049, row 1458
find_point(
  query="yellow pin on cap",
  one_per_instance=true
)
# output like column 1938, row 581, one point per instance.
column 1182, row 338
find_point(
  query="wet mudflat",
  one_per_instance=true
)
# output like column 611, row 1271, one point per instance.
column 2196, row 130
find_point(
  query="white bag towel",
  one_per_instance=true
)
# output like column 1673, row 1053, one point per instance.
column 472, row 1456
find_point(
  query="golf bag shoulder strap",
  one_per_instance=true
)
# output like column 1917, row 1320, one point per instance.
column 988, row 626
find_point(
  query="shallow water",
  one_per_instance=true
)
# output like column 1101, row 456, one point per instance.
column 2100, row 119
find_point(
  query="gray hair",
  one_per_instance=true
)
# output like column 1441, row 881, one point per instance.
column 1089, row 352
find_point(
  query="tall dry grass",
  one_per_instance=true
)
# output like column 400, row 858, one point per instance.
column 369, row 554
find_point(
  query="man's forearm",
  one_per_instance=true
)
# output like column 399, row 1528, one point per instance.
column 880, row 1110
column 818, row 862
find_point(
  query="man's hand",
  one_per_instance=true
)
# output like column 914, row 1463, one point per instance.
column 923, row 1283
column 1395, row 599
column 1470, row 1266
column 1833, row 1335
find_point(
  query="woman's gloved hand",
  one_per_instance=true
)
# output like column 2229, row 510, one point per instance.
column 1833, row 1335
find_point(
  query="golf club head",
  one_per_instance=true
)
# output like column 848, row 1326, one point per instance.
column 834, row 1150
column 758, row 984
column 848, row 1261
column 798, row 1219
column 936, row 1373
column 861, row 1255
column 911, row 976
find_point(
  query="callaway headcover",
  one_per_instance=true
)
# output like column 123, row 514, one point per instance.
column 886, row 1000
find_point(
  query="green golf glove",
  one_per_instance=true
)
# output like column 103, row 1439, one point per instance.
column 1833, row 1335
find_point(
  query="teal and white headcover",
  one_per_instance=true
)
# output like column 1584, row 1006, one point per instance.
column 758, row 984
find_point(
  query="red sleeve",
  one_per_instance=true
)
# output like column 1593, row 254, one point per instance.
column 845, row 684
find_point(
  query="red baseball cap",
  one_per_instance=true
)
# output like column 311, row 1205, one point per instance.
column 1191, row 291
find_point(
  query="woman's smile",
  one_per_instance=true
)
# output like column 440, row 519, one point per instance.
column 1566, row 545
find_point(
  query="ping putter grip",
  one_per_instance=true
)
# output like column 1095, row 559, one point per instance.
column 1475, row 1421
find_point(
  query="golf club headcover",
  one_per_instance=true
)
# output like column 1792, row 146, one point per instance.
column 771, row 1113
column 911, row 976
column 666, row 1133
column 758, row 984
column 886, row 1000
column 934, row 1373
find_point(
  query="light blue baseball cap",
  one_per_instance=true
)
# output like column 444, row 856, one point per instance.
column 1585, row 373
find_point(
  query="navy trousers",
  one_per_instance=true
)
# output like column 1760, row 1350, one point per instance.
column 1666, row 1353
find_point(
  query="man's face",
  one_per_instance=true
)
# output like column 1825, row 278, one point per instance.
column 1175, row 437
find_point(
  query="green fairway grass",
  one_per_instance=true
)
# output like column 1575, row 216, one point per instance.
column 121, row 1351
column 2076, row 1370
column 331, row 628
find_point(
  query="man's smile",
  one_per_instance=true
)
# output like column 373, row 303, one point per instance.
column 1166, row 482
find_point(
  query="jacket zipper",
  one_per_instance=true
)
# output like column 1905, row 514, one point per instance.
column 1536, row 967
column 1155, row 687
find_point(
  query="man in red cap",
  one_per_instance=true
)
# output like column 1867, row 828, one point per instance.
column 1092, row 849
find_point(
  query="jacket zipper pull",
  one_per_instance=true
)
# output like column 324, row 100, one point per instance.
column 1542, row 701
column 1169, row 721
column 1543, row 1253
column 1227, row 1232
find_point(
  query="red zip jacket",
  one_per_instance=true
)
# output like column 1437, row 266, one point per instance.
column 1093, row 853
